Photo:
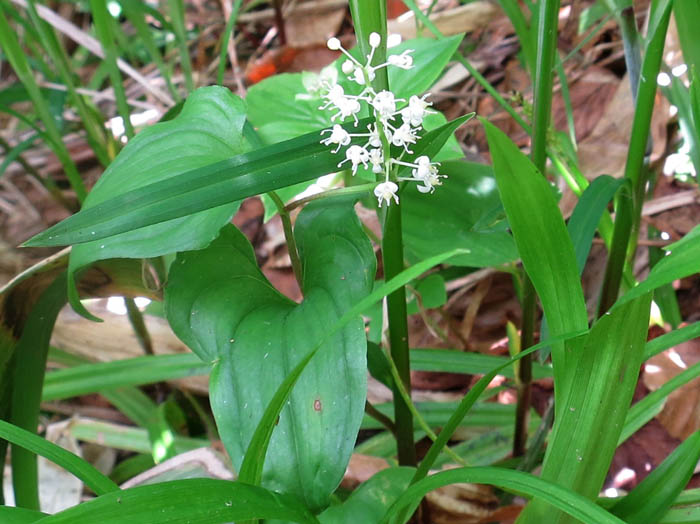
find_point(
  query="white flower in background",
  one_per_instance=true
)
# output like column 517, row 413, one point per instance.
column 416, row 111
column 394, row 125
column 338, row 136
column 356, row 155
column 376, row 158
column 384, row 103
column 403, row 136
column 404, row 60
column 385, row 192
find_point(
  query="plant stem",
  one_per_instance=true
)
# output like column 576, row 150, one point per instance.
column 138, row 325
column 289, row 237
column 392, row 256
column 544, row 79
column 629, row 205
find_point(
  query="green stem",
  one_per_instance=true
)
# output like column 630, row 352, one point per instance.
column 629, row 206
column 138, row 325
column 380, row 417
column 289, row 237
column 544, row 80
column 392, row 257
column 225, row 38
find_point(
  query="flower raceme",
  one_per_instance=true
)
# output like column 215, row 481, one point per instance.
column 392, row 126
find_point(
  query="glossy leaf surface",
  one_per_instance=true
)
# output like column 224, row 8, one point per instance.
column 208, row 129
column 221, row 305
column 465, row 212
column 204, row 501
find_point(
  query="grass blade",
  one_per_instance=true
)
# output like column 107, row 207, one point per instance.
column 92, row 478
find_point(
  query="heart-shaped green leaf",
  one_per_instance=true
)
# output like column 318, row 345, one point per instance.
column 470, row 216
column 208, row 129
column 221, row 305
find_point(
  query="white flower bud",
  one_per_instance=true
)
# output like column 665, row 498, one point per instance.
column 348, row 67
column 374, row 40
column 334, row 44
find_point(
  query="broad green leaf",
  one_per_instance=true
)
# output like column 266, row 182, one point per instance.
column 201, row 501
column 543, row 243
column 430, row 56
column 207, row 130
column 12, row 515
column 92, row 478
column 369, row 502
column 652, row 497
column 221, row 305
column 682, row 260
column 427, row 293
column 589, row 422
column 255, row 455
column 682, row 515
column 464, row 212
column 296, row 111
column 513, row 481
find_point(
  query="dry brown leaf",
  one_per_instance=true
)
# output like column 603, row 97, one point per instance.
column 681, row 414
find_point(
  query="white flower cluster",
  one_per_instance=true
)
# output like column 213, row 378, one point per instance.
column 387, row 130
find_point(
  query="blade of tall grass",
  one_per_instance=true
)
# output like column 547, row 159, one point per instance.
column 225, row 39
column 18, row 61
column 103, row 27
column 652, row 497
column 92, row 478
column 517, row 482
column 27, row 379
column 177, row 18
column 135, row 12
column 624, row 241
column 93, row 126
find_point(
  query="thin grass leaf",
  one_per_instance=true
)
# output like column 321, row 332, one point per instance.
column 92, row 478
column 177, row 17
column 652, row 497
column 17, row 58
column 103, row 27
column 248, row 174
column 644, row 410
column 670, row 339
column 225, row 39
column 513, row 481
column 94, row 378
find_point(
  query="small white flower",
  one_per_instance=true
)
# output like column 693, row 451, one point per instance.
column 338, row 136
column 334, row 44
column 384, row 104
column 374, row 40
column 427, row 172
column 347, row 107
column 356, row 155
column 403, row 136
column 359, row 75
column 404, row 60
column 376, row 158
column 416, row 111
column 385, row 192
column 374, row 139
column 348, row 67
